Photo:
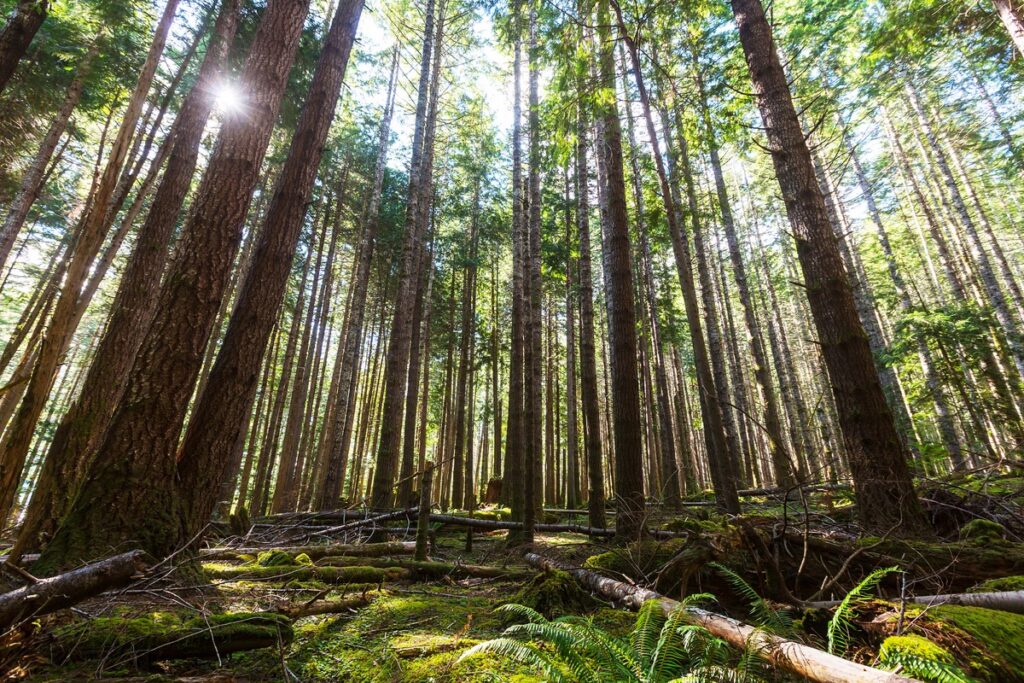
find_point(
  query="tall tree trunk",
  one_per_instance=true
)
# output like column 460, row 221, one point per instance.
column 396, row 368
column 629, row 491
column 129, row 494
column 572, row 474
column 588, row 356
column 32, row 180
column 333, row 471
column 1012, row 16
column 711, row 409
column 17, row 35
column 878, row 460
column 66, row 311
column 535, row 353
column 782, row 461
column 461, row 493
column 514, row 485
column 73, row 445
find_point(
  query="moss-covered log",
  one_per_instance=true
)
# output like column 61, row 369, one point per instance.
column 314, row 551
column 298, row 572
column 64, row 590
column 313, row 608
column 162, row 636
column 1004, row 601
column 428, row 569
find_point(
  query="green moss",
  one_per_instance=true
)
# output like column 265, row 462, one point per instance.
column 303, row 559
column 274, row 558
column 1007, row 583
column 495, row 514
column 615, row 621
column 357, row 574
column 916, row 646
column 983, row 530
column 165, row 635
column 554, row 594
column 1001, row 634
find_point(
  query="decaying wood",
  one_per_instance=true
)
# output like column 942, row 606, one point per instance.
column 64, row 590
column 797, row 658
column 1004, row 601
column 316, row 551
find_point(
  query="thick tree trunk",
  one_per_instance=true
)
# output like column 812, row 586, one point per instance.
column 129, row 493
column 629, row 491
column 221, row 411
column 73, row 445
column 878, row 460
column 66, row 312
column 17, row 35
column 572, row 474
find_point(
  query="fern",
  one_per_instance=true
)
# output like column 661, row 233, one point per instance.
column 763, row 614
column 925, row 669
column 840, row 623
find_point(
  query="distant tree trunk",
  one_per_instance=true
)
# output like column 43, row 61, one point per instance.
column 947, row 428
column 878, row 460
column 782, row 462
column 66, row 312
column 1013, row 18
column 496, row 469
column 406, row 473
column 461, row 493
column 629, row 490
column 17, row 35
column 129, row 493
column 588, row 356
column 397, row 365
column 32, row 180
column 73, row 445
column 333, row 471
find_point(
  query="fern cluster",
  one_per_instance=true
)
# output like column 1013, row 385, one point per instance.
column 660, row 649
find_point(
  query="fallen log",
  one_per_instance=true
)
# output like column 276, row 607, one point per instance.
column 314, row 607
column 64, row 590
column 148, row 639
column 792, row 656
column 366, row 521
column 357, row 574
column 426, row 568
column 1004, row 601
column 315, row 551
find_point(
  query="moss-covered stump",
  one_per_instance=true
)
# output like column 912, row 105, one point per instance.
column 667, row 566
column 300, row 572
column 555, row 594
column 164, row 635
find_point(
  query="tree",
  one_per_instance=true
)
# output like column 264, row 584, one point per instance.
column 18, row 33
column 878, row 462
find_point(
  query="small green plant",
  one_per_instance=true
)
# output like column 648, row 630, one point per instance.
column 840, row 624
column 920, row 658
column 661, row 648
column 763, row 614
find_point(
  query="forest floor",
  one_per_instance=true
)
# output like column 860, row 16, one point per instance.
column 389, row 619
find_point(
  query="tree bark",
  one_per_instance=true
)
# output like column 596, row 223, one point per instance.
column 17, row 35
column 129, row 494
column 66, row 312
column 878, row 460
column 73, row 445
column 629, row 490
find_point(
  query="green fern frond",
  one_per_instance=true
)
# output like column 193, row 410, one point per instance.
column 840, row 623
column 763, row 614
column 647, row 631
column 523, row 612
column 524, row 653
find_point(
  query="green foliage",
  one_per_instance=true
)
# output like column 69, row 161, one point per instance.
column 1006, row 583
column 840, row 625
column 554, row 593
column 920, row 658
column 659, row 648
column 764, row 615
column 1000, row 633
column 274, row 558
